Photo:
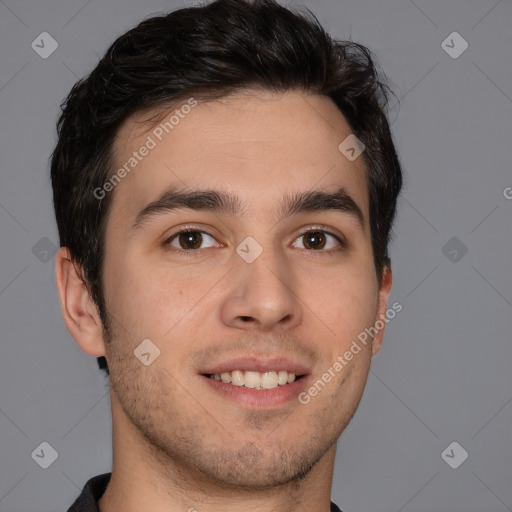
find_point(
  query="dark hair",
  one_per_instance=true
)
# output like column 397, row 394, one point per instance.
column 208, row 52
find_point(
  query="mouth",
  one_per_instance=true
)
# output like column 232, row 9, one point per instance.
column 257, row 383
column 256, row 380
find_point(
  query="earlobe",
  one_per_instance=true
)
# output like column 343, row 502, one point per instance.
column 380, row 320
column 79, row 312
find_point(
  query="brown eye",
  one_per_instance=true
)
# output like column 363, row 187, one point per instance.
column 314, row 240
column 318, row 240
column 191, row 240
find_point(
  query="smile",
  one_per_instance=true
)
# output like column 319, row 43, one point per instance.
column 256, row 380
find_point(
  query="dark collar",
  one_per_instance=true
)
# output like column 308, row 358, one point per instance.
column 95, row 488
column 91, row 494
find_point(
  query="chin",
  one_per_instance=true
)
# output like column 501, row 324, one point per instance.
column 251, row 468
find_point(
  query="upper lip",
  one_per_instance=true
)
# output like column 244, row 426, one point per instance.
column 257, row 364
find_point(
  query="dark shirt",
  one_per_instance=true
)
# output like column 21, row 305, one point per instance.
column 96, row 486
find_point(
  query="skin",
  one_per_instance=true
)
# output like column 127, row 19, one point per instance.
column 178, row 444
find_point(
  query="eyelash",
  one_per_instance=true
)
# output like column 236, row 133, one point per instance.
column 312, row 229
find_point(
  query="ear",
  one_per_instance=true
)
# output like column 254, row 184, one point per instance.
column 79, row 311
column 382, row 305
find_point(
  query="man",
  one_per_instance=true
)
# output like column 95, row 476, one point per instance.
column 225, row 184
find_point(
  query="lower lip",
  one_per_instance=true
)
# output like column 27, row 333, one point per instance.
column 259, row 399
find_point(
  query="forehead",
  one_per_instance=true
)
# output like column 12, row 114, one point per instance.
column 257, row 145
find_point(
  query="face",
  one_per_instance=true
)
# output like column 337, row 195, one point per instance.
column 234, row 245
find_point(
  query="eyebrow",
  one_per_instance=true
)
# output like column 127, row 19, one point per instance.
column 227, row 203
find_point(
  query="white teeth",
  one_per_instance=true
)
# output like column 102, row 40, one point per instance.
column 226, row 377
column 256, row 380
column 237, row 378
column 252, row 380
column 283, row 377
column 269, row 380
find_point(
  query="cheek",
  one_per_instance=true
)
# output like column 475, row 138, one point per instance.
column 346, row 301
column 133, row 296
column 155, row 301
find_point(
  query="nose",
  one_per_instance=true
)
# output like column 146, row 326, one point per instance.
column 262, row 296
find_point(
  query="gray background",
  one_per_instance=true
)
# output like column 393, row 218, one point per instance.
column 443, row 373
